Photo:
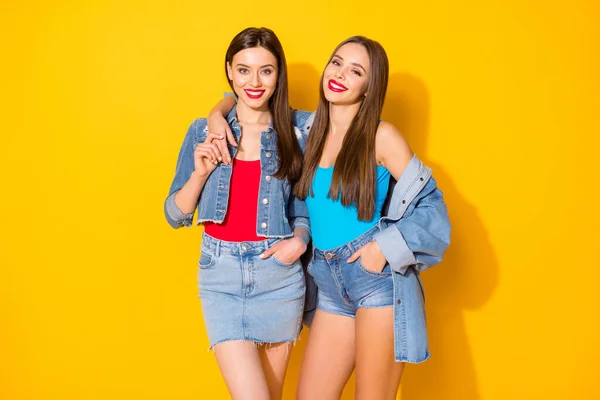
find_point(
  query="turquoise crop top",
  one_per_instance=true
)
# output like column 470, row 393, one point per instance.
column 332, row 224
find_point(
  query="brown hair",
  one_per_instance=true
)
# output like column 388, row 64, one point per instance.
column 290, row 154
column 355, row 166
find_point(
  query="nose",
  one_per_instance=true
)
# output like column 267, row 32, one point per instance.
column 255, row 81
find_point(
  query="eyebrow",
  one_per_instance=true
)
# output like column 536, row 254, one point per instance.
column 247, row 66
column 356, row 64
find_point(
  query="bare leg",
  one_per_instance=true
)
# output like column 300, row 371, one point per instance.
column 274, row 358
column 377, row 373
column 240, row 365
column 328, row 358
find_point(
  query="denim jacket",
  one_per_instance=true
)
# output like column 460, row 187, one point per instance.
column 279, row 212
column 414, row 234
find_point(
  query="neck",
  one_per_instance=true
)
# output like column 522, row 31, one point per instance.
column 341, row 116
column 248, row 115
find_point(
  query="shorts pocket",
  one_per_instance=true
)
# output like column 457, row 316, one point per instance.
column 385, row 272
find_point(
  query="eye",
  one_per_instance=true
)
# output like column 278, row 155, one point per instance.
column 355, row 72
column 243, row 71
column 335, row 62
column 267, row 71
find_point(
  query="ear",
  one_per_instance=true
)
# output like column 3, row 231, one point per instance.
column 229, row 72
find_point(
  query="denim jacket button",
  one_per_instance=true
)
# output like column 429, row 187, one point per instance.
column 265, row 201
column 398, row 301
column 268, row 154
column 268, row 178
column 268, row 136
column 263, row 225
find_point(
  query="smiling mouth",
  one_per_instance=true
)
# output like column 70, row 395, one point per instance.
column 254, row 94
column 336, row 86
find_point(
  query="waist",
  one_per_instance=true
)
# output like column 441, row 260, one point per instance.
column 217, row 247
column 333, row 227
column 347, row 249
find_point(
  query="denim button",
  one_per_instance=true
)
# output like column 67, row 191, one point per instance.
column 265, row 201
column 398, row 302
column 245, row 246
column 263, row 225
column 328, row 256
column 268, row 178
column 268, row 154
column 268, row 136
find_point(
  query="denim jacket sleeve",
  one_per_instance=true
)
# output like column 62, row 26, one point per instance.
column 298, row 213
column 421, row 235
column 185, row 166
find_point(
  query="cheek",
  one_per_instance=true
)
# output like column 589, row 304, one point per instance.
column 270, row 80
column 238, row 79
column 360, row 83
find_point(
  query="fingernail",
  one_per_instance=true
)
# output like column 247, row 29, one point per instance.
column 262, row 256
column 220, row 158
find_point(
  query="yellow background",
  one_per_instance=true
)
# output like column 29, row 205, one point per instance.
column 98, row 293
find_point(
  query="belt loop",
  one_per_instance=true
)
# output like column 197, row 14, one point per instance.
column 218, row 248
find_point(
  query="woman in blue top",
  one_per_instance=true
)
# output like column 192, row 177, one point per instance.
column 367, row 257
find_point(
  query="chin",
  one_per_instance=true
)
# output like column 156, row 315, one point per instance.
column 335, row 98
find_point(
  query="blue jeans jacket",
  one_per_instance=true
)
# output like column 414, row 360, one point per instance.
column 279, row 212
column 414, row 234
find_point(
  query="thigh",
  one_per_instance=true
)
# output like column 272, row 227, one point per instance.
column 328, row 357
column 241, row 368
column 274, row 358
column 377, row 373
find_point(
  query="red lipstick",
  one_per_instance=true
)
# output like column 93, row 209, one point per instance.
column 335, row 86
column 254, row 94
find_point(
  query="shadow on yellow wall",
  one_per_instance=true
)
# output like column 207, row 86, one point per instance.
column 466, row 278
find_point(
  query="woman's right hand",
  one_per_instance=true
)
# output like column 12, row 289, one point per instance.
column 217, row 125
column 208, row 155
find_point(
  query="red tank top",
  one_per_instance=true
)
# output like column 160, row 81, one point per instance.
column 240, row 219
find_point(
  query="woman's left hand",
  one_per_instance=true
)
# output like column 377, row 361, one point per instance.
column 371, row 257
column 287, row 251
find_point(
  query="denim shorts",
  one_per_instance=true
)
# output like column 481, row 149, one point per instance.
column 247, row 298
column 344, row 287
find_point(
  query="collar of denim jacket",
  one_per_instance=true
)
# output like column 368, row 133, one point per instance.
column 233, row 122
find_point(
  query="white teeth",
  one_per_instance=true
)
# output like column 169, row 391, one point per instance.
column 337, row 86
column 254, row 93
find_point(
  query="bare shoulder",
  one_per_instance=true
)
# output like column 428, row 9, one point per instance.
column 390, row 143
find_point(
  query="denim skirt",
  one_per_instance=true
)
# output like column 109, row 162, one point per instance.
column 247, row 298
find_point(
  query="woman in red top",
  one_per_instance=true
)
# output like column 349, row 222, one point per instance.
column 251, row 281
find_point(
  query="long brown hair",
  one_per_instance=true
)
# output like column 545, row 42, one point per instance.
column 290, row 154
column 355, row 166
